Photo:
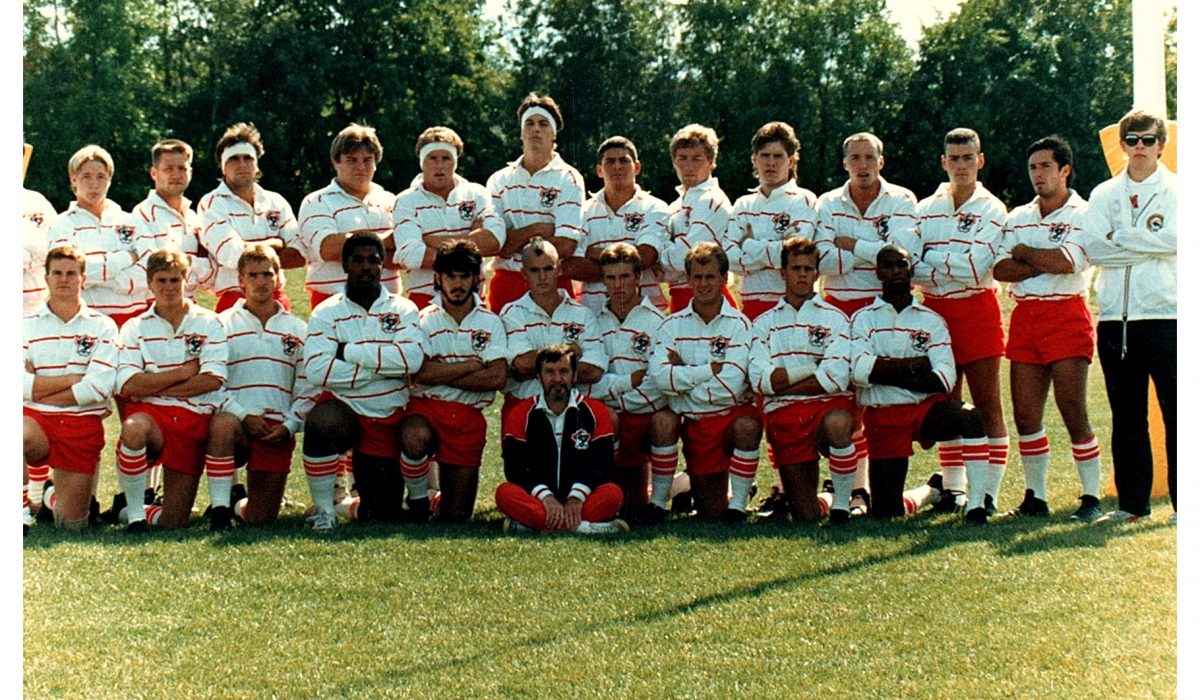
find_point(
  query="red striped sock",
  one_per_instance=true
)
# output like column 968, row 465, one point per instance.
column 416, row 475
column 1035, row 459
column 219, row 471
column 1087, row 463
column 131, row 476
column 37, row 482
column 321, row 473
column 664, row 460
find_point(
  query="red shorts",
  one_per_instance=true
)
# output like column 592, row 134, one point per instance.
column 704, row 446
column 421, row 300
column 276, row 459
column 184, row 433
column 849, row 306
column 230, row 298
column 461, row 429
column 508, row 286
column 315, row 298
column 753, row 308
column 892, row 430
column 75, row 441
column 120, row 319
column 1042, row 332
column 380, row 437
column 681, row 296
column 976, row 332
column 792, row 430
column 634, row 448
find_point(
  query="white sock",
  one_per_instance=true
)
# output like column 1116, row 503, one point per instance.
column 975, row 458
column 664, row 459
column 416, row 475
column 321, row 473
column 742, row 469
column 997, row 464
column 842, row 467
column 131, row 477
column 1087, row 463
column 1035, row 459
column 219, row 471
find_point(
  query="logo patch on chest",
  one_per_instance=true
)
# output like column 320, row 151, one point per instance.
column 388, row 323
column 572, row 332
column 1059, row 231
column 291, row 345
column 549, row 197
column 641, row 343
column 125, row 234
column 920, row 340
column 193, row 344
column 881, row 227
column 479, row 340
column 466, row 210
column 85, row 345
column 633, row 222
column 581, row 439
column 717, row 348
column 966, row 222
column 781, row 222
column 818, row 337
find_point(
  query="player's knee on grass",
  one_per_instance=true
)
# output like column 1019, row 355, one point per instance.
column 380, row 488
column 745, row 433
column 710, row 494
column 800, row 484
column 460, row 485
column 264, row 496
column 417, row 438
column 73, row 495
column 37, row 447
column 838, row 428
column 664, row 427
column 330, row 428
column 887, row 486
column 179, row 494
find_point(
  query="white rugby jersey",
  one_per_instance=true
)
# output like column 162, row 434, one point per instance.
column 878, row 331
column 148, row 344
column 86, row 344
column 757, row 229
column 813, row 340
column 116, row 279
column 332, row 211
column 266, row 367
column 640, row 221
column 1061, row 229
column 699, row 214
column 383, row 348
column 163, row 226
column 553, row 194
column 691, row 388
column 39, row 216
column 891, row 218
column 958, row 247
column 628, row 345
column 231, row 222
column 529, row 327
column 481, row 336
column 421, row 219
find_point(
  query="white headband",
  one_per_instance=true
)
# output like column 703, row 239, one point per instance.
column 241, row 148
column 538, row 110
column 437, row 146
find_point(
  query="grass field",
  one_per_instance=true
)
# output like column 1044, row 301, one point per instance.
column 923, row 607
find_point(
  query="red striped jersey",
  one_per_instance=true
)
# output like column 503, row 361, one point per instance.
column 891, row 218
column 692, row 388
column 383, row 347
column 529, row 327
column 231, row 222
column 480, row 336
column 628, row 345
column 959, row 247
column 116, row 280
column 148, row 343
column 757, row 229
column 878, row 331
column 332, row 211
column 86, row 344
column 163, row 226
column 554, row 194
column 39, row 215
column 640, row 221
column 1061, row 229
column 699, row 214
column 812, row 341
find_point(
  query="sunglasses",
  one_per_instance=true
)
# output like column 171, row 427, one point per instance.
column 1147, row 140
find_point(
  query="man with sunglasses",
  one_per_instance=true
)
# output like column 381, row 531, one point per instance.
column 1130, row 234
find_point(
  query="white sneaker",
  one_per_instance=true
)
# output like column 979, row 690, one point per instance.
column 587, row 527
column 1118, row 516
column 322, row 522
column 511, row 525
column 27, row 517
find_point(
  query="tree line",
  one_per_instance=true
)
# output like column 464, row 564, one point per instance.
column 125, row 74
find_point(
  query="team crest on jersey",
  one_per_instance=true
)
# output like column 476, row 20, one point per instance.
column 466, row 210
column 291, row 345
column 717, row 348
column 1154, row 222
column 479, row 340
column 572, row 332
column 920, row 340
column 641, row 343
column 818, row 337
column 633, row 222
column 966, row 222
column 125, row 234
column 389, row 322
column 37, row 218
column 781, row 222
column 581, row 439
column 549, row 197
column 273, row 220
column 1059, row 232
column 193, row 344
column 85, row 345
column 881, row 227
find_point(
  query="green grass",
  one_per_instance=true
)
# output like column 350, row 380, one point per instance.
column 924, row 607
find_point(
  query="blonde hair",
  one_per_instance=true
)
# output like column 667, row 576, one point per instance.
column 87, row 154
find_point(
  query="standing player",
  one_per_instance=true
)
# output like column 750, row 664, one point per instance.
column 266, row 395
column 620, row 213
column 168, row 220
column 1132, row 239
column 39, row 216
column 960, row 227
column 466, row 360
column 700, row 361
column 628, row 322
column 546, row 315
column 800, row 363
column 558, row 455
column 351, row 203
column 363, row 347
column 115, row 281
column 437, row 207
column 173, row 364
column 903, row 367
column 776, row 210
column 538, row 195
column 240, row 212
column 1051, row 339
column 700, row 213
column 70, row 366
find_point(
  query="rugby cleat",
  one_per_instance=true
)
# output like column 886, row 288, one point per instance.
column 1118, row 516
column 1031, row 507
column 1089, row 508
column 860, row 502
column 220, row 519
column 977, row 516
column 322, row 522
column 651, row 514
column 113, row 515
column 839, row 517
column 733, row 516
column 137, row 527
column 773, row 503
column 418, row 510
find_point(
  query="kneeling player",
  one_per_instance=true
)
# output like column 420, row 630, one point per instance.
column 172, row 366
column 558, row 455
column 267, row 396
column 70, row 367
column 466, row 363
column 800, row 362
column 903, row 367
